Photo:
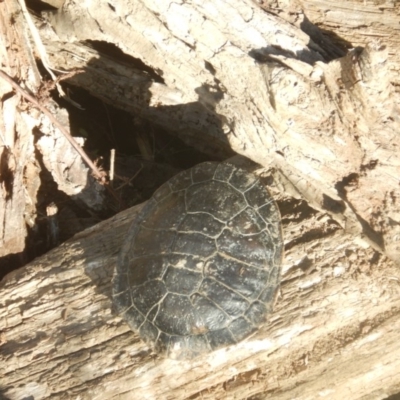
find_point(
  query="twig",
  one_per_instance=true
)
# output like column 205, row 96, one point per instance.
column 112, row 165
column 42, row 51
column 130, row 179
column 44, row 110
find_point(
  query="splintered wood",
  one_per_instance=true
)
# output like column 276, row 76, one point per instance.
column 224, row 76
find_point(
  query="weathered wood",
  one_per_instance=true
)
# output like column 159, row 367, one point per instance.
column 358, row 23
column 334, row 330
column 225, row 75
column 16, row 151
column 231, row 76
column 20, row 166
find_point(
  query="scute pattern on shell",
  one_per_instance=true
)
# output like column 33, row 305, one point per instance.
column 200, row 267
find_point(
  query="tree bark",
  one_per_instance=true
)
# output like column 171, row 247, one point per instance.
column 223, row 76
column 235, row 77
column 333, row 332
column 16, row 162
column 359, row 23
column 20, row 166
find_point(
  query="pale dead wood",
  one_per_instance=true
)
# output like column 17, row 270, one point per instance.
column 20, row 167
column 56, row 123
column 231, row 76
column 334, row 329
column 15, row 150
column 359, row 22
column 330, row 132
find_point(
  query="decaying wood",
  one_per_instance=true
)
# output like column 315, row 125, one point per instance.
column 20, row 168
column 15, row 150
column 56, row 123
column 359, row 22
column 334, row 331
column 224, row 76
column 235, row 77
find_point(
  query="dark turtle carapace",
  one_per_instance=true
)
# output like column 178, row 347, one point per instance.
column 200, row 267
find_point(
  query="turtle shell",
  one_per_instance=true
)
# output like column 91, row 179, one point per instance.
column 200, row 266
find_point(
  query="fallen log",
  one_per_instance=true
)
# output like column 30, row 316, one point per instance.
column 333, row 332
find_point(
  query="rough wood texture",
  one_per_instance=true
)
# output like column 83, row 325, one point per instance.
column 231, row 76
column 16, row 161
column 223, row 75
column 334, row 331
column 20, row 166
column 359, row 22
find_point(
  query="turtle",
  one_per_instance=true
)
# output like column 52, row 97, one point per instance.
column 200, row 267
